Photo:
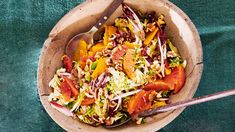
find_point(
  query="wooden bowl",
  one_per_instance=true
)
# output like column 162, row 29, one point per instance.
column 179, row 29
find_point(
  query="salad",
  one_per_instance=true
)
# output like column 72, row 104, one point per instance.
column 131, row 68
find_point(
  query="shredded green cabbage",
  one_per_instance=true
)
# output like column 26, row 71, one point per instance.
column 78, row 101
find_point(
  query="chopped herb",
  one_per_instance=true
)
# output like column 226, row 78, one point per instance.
column 70, row 105
column 176, row 61
column 165, row 94
column 93, row 65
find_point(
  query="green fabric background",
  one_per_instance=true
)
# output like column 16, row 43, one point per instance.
column 25, row 24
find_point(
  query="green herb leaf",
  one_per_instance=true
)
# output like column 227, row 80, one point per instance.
column 93, row 65
column 165, row 94
column 176, row 61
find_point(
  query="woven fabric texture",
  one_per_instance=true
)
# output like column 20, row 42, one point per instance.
column 25, row 24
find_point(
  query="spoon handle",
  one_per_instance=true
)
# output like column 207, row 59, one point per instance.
column 189, row 102
column 107, row 13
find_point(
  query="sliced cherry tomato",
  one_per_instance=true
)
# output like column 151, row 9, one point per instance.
column 88, row 101
column 71, row 86
column 139, row 102
column 67, row 63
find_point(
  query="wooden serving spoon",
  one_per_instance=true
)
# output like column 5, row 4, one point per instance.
column 91, row 34
column 180, row 104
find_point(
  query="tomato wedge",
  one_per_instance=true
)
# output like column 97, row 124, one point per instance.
column 88, row 101
column 139, row 102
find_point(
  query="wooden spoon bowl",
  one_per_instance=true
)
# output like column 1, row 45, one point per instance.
column 179, row 29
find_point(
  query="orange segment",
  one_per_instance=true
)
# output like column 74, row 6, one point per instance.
column 97, row 47
column 118, row 53
column 129, row 63
column 158, row 85
column 88, row 101
column 81, row 50
column 139, row 102
column 150, row 37
column 74, row 90
column 129, row 44
column 109, row 30
column 176, row 79
column 100, row 68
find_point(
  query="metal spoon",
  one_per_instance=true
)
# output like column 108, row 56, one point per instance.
column 180, row 104
column 91, row 34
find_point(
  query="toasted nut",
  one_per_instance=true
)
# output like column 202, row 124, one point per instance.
column 98, row 55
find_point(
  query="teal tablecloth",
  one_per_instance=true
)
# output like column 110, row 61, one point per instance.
column 25, row 24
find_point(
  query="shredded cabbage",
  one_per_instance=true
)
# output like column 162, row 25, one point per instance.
column 78, row 101
column 120, row 82
column 55, row 82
